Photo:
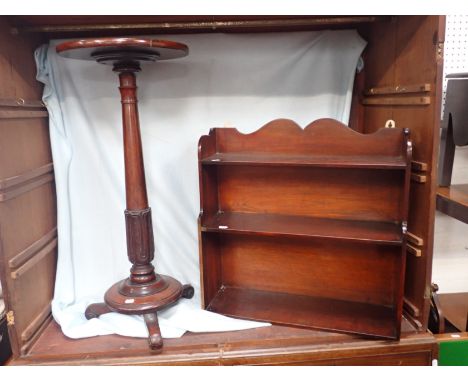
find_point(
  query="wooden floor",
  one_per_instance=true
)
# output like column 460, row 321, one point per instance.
column 453, row 201
column 261, row 346
column 455, row 308
column 456, row 192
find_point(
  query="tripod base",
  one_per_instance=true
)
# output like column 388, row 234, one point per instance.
column 147, row 305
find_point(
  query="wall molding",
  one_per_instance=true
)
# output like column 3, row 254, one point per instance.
column 16, row 185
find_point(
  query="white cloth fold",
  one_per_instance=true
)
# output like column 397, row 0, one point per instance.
column 242, row 80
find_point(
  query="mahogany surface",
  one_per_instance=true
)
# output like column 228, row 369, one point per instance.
column 306, row 311
column 275, row 345
column 453, row 201
column 159, row 49
column 382, row 162
column 144, row 292
column 306, row 227
column 28, row 216
column 456, row 192
column 455, row 308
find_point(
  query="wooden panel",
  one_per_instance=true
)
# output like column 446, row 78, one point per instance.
column 27, row 284
column 305, row 311
column 26, row 219
column 377, row 162
column 399, row 89
column 24, row 145
column 210, row 267
column 455, row 309
column 27, row 192
column 324, row 137
column 331, row 193
column 414, row 101
column 358, row 272
column 458, row 193
column 17, row 62
column 28, row 257
column 315, row 216
column 409, row 53
column 67, row 26
column 273, row 345
column 300, row 226
column 419, row 40
column 22, row 114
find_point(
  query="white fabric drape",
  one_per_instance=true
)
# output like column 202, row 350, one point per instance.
column 242, row 80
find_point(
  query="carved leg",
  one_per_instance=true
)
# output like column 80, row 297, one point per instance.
column 187, row 291
column 95, row 310
column 155, row 340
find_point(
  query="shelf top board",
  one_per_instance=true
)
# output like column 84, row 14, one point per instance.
column 372, row 232
column 325, row 142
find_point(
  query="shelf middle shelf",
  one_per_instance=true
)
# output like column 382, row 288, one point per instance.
column 388, row 233
column 337, row 161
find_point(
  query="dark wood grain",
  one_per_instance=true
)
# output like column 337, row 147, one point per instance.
column 453, row 201
column 324, row 137
column 311, row 216
column 305, row 311
column 401, row 51
column 144, row 292
column 377, row 162
column 27, row 192
column 92, row 25
column 455, row 309
column 87, row 48
column 275, row 345
column 356, row 194
column 313, row 267
column 282, row 225
column 410, row 52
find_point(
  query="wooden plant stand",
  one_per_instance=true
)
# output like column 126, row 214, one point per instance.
column 306, row 227
column 144, row 292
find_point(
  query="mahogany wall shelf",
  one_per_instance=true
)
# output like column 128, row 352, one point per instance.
column 306, row 227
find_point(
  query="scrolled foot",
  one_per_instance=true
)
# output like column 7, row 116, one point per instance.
column 95, row 310
column 187, row 291
column 155, row 340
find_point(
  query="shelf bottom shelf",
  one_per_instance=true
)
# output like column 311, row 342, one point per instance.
column 307, row 311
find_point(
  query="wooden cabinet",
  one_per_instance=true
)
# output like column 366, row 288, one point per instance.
column 401, row 81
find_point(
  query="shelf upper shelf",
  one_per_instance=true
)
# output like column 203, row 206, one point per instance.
column 268, row 159
column 387, row 233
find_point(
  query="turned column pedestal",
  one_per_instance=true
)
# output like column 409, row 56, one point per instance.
column 144, row 292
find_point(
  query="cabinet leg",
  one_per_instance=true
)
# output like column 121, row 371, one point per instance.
column 95, row 310
column 155, row 340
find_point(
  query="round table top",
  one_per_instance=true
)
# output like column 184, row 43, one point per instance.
column 88, row 49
